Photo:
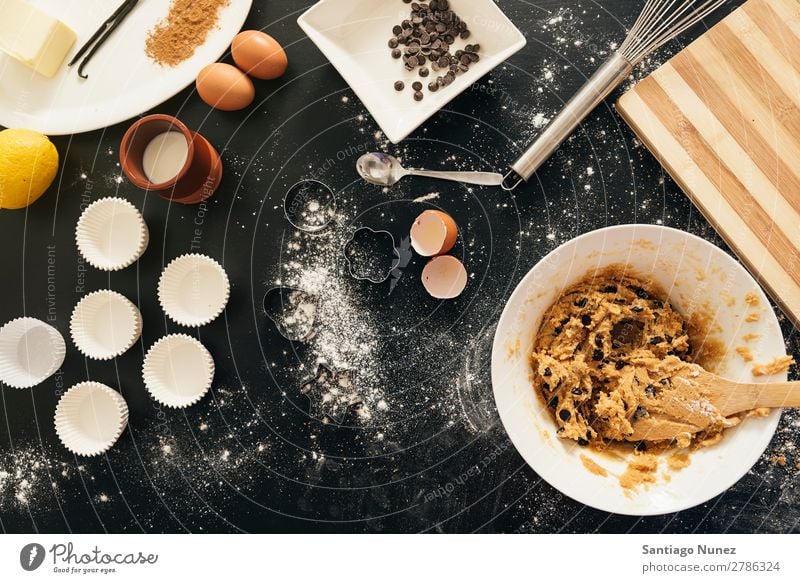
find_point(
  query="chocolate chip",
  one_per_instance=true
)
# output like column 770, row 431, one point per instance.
column 393, row 42
column 564, row 415
column 397, row 29
column 609, row 289
column 637, row 309
column 650, row 391
column 598, row 355
column 546, row 386
column 557, row 330
column 399, row 85
column 577, row 391
column 416, row 86
column 640, row 413
column 433, row 87
column 418, row 96
column 586, row 320
column 628, row 331
column 547, row 372
column 553, row 402
column 641, row 293
column 640, row 446
column 397, row 53
column 656, row 340
column 598, row 341
column 620, row 364
column 581, row 303
column 424, row 72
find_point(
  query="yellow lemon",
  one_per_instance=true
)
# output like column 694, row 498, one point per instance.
column 28, row 166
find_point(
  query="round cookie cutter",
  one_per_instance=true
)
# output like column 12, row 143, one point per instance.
column 309, row 205
column 364, row 246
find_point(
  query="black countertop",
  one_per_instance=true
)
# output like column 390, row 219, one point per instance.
column 429, row 453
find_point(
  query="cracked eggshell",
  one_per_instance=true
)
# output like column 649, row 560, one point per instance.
column 433, row 233
column 444, row 277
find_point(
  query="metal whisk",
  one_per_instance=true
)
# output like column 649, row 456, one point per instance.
column 659, row 22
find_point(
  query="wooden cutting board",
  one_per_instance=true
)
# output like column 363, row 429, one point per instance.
column 723, row 117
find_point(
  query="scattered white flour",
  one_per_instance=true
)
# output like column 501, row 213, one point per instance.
column 28, row 478
column 347, row 335
column 427, row 197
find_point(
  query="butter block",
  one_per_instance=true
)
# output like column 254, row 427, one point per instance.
column 33, row 37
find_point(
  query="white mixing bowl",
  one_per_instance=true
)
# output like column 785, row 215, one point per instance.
column 697, row 277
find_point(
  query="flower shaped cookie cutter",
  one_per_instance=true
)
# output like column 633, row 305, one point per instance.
column 367, row 252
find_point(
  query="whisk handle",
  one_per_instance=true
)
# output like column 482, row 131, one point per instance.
column 596, row 89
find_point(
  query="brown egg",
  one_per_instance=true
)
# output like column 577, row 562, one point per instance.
column 259, row 55
column 225, row 87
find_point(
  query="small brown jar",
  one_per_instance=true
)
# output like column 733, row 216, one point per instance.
column 200, row 176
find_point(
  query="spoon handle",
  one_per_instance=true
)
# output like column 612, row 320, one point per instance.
column 774, row 395
column 479, row 178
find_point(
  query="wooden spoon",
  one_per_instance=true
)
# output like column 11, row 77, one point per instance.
column 721, row 397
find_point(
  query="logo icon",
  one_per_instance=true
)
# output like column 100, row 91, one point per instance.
column 31, row 556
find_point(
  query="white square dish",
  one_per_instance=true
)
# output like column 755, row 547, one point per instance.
column 354, row 35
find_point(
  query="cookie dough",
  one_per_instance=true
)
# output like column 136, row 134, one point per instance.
column 780, row 364
column 606, row 354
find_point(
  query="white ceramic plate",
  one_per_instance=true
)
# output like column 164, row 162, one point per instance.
column 123, row 82
column 353, row 35
column 696, row 275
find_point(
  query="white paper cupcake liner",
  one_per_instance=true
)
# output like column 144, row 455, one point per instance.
column 105, row 325
column 90, row 417
column 111, row 234
column 30, row 352
column 193, row 290
column 178, row 371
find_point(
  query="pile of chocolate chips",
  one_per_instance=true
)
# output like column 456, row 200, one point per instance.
column 426, row 37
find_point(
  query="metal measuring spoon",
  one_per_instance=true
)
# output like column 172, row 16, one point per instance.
column 385, row 170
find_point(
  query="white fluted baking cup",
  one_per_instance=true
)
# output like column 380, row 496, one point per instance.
column 90, row 417
column 30, row 352
column 178, row 371
column 111, row 234
column 193, row 290
column 105, row 324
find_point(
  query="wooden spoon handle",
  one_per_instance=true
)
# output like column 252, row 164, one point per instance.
column 785, row 394
column 755, row 395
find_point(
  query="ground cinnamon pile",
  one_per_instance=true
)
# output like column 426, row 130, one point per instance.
column 174, row 39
